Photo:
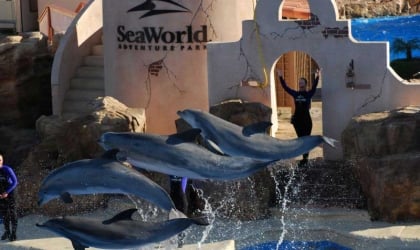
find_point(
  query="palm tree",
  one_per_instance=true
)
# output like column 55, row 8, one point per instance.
column 400, row 45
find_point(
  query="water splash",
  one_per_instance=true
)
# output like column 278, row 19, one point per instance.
column 146, row 213
column 150, row 212
column 283, row 200
column 210, row 214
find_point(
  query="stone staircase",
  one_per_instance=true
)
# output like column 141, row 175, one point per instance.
column 321, row 184
column 86, row 85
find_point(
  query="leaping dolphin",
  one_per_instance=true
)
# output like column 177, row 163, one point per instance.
column 119, row 232
column 178, row 155
column 251, row 141
column 101, row 175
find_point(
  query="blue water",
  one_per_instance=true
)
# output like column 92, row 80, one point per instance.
column 294, row 245
column 387, row 29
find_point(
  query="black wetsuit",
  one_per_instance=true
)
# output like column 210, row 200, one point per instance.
column 8, row 183
column 301, row 118
column 185, row 198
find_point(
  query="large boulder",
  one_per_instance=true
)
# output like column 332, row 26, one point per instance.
column 384, row 149
column 25, row 73
column 63, row 141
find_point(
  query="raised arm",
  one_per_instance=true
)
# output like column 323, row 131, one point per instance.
column 284, row 85
column 315, row 83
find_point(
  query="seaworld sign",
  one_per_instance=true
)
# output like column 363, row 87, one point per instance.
column 149, row 36
column 155, row 53
column 158, row 38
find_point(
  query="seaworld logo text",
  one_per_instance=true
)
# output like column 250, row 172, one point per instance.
column 157, row 38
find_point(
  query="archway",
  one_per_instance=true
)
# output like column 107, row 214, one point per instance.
column 297, row 64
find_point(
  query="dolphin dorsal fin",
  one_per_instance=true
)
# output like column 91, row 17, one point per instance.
column 189, row 135
column 256, row 128
column 111, row 154
column 124, row 215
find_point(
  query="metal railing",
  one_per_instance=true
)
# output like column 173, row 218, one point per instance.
column 55, row 18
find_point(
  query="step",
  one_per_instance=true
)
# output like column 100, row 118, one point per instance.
column 90, row 72
column 93, row 60
column 98, row 50
column 87, row 83
column 83, row 94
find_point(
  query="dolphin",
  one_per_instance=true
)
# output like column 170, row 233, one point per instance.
column 119, row 232
column 179, row 155
column 103, row 175
column 251, row 141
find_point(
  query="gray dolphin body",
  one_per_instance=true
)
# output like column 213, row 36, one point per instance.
column 103, row 175
column 177, row 155
column 119, row 232
column 251, row 141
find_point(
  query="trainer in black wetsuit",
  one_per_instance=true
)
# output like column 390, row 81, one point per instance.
column 8, row 183
column 301, row 119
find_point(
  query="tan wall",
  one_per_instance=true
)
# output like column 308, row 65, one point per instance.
column 165, row 81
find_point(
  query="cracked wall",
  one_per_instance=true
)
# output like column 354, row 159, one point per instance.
column 329, row 42
column 155, row 53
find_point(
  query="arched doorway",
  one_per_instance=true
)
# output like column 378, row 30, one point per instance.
column 297, row 64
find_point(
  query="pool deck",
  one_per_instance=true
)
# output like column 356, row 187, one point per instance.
column 348, row 227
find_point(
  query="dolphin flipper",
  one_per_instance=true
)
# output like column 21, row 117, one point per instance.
column 256, row 128
column 213, row 147
column 66, row 197
column 329, row 141
column 124, row 215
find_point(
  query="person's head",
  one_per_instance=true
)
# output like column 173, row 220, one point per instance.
column 302, row 84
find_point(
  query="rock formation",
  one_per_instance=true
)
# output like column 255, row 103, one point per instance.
column 25, row 85
column 384, row 149
column 63, row 141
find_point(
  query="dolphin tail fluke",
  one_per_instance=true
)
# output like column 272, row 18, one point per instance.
column 175, row 214
column 329, row 141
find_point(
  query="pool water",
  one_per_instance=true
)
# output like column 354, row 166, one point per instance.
column 294, row 245
column 387, row 29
